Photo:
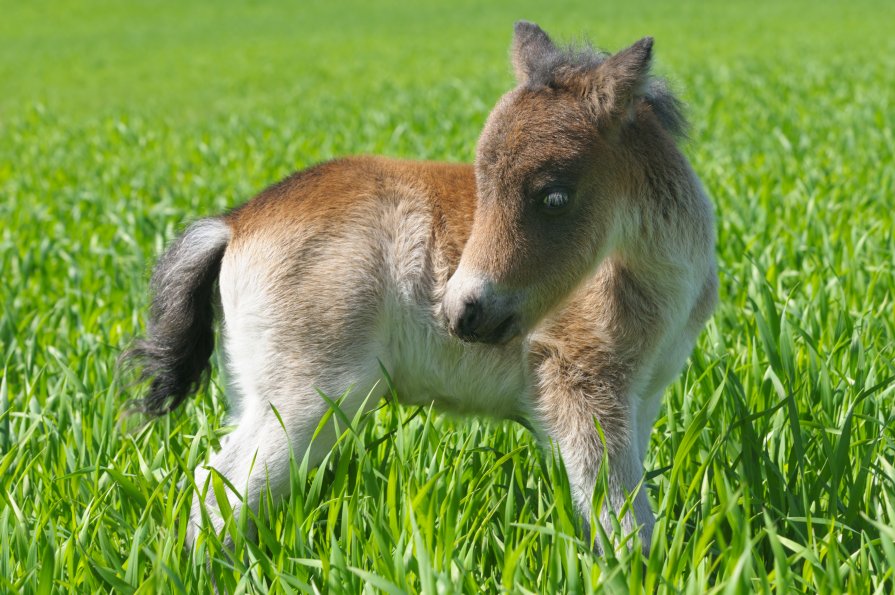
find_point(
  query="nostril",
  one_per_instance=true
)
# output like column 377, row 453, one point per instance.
column 470, row 319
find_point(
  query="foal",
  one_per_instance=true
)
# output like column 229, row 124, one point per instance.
column 562, row 280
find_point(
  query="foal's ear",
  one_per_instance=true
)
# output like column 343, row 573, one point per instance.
column 623, row 78
column 532, row 49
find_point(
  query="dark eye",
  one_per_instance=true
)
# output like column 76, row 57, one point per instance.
column 555, row 199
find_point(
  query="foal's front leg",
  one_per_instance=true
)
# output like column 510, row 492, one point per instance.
column 571, row 403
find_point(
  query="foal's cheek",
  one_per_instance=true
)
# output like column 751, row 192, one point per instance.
column 552, row 283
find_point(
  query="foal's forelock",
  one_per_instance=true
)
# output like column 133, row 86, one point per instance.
column 539, row 63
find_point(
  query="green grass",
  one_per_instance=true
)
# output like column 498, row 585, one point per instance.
column 772, row 463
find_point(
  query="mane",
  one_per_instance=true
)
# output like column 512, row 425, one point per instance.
column 580, row 58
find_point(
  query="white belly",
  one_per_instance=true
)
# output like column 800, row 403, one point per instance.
column 429, row 366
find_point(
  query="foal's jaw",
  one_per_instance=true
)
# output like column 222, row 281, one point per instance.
column 475, row 311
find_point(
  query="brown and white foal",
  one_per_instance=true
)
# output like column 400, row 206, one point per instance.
column 563, row 280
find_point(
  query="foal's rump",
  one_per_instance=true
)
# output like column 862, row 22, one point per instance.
column 298, row 300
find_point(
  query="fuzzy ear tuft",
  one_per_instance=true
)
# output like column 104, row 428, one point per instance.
column 624, row 78
column 532, row 50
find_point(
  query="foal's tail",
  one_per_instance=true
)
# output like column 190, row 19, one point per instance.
column 180, row 335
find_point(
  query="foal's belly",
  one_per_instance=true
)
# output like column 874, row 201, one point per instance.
column 428, row 366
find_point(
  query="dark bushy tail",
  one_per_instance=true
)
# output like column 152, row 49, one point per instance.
column 179, row 334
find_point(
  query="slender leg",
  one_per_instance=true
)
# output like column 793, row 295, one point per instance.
column 256, row 455
column 569, row 405
column 282, row 346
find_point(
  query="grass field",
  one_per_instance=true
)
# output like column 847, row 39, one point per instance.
column 773, row 459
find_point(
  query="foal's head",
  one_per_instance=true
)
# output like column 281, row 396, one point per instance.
column 553, row 166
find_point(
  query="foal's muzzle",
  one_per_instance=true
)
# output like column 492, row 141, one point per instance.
column 473, row 325
column 475, row 313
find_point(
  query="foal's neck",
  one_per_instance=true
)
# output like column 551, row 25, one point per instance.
column 666, row 223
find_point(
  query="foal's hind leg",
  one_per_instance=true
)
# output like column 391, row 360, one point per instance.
column 257, row 455
column 293, row 325
column 276, row 396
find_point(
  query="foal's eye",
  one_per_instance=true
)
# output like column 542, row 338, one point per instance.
column 555, row 199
